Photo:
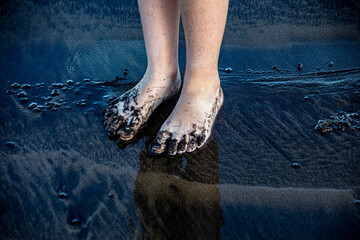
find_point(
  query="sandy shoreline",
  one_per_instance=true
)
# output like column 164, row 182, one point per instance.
column 241, row 185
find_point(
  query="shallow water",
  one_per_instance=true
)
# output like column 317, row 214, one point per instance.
column 242, row 184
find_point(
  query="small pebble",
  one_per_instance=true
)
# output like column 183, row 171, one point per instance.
column 110, row 195
column 125, row 73
column 299, row 66
column 23, row 99
column 54, row 109
column 69, row 82
column 249, row 70
column 86, row 80
column 37, row 109
column 25, row 86
column 75, row 222
column 318, row 69
column 357, row 202
column 126, row 70
column 295, row 165
column 21, row 94
column 276, row 68
column 316, row 92
column 10, row 144
column 10, row 92
column 228, row 70
column 77, row 84
column 32, row 105
column 331, row 64
column 48, row 98
column 38, row 85
column 15, row 85
column 306, row 98
column 55, row 92
column 63, row 195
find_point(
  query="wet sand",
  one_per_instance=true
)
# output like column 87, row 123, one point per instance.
column 268, row 171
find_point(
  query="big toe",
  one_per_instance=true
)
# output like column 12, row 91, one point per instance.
column 159, row 144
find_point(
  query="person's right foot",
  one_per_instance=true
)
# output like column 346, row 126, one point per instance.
column 127, row 114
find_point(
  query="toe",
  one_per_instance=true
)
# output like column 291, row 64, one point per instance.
column 172, row 147
column 201, row 139
column 159, row 144
column 126, row 133
column 192, row 142
column 132, row 126
column 183, row 144
column 116, row 124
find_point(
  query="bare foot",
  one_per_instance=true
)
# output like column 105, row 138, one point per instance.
column 127, row 114
column 190, row 123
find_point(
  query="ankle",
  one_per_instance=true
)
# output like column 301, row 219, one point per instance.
column 204, row 84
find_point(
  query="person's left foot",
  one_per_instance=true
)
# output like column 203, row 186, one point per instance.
column 190, row 123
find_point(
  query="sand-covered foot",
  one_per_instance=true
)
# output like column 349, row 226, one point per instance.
column 127, row 114
column 190, row 123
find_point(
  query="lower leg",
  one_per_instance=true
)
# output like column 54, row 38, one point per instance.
column 190, row 123
column 128, row 113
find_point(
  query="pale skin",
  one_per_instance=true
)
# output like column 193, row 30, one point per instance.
column 190, row 123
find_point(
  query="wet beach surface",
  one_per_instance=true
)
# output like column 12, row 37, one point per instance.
column 266, row 172
column 282, row 163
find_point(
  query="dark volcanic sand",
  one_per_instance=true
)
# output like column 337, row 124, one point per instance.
column 61, row 175
column 266, row 173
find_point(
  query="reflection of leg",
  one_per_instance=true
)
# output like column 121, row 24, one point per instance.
column 181, row 207
column 160, row 22
column 189, row 125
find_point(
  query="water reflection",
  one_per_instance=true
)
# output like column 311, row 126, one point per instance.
column 177, row 197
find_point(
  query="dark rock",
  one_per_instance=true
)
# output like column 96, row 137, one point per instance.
column 339, row 122
column 357, row 202
column 10, row 144
column 125, row 73
column 26, row 86
column 55, row 92
column 21, row 94
column 32, row 105
column 276, row 68
column 63, row 195
column 299, row 66
column 75, row 222
column 10, row 92
column 316, row 92
column 86, row 80
column 330, row 64
column 295, row 165
column 228, row 70
column 69, row 82
column 37, row 109
column 23, row 100
column 110, row 195
column 15, row 85
column 306, row 98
